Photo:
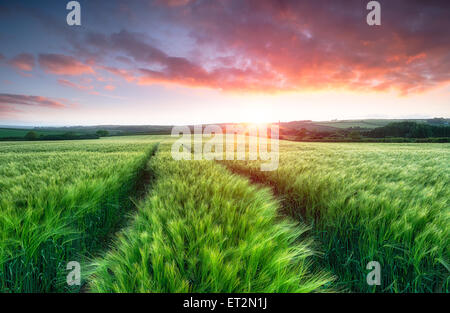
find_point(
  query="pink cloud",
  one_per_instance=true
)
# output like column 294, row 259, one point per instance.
column 12, row 103
column 67, row 83
column 174, row 3
column 23, row 62
column 110, row 87
column 271, row 46
column 298, row 45
column 63, row 65
column 128, row 75
column 269, row 58
column 8, row 111
column 29, row 100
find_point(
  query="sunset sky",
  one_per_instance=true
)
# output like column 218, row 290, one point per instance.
column 183, row 62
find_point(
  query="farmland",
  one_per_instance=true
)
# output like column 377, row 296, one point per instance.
column 369, row 202
column 203, row 229
column 59, row 202
column 223, row 226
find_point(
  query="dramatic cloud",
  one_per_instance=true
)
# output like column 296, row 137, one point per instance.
column 152, row 65
column 174, row 3
column 13, row 103
column 294, row 45
column 67, row 83
column 13, row 99
column 264, row 45
column 128, row 75
column 23, row 62
column 8, row 111
column 297, row 45
column 63, row 65
column 110, row 87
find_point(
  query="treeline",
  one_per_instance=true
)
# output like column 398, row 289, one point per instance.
column 373, row 140
column 393, row 132
column 67, row 137
column 409, row 130
column 33, row 136
column 113, row 130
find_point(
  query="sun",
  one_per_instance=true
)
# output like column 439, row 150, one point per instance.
column 257, row 115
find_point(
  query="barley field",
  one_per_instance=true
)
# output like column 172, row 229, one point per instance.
column 59, row 202
column 203, row 229
column 388, row 203
column 139, row 221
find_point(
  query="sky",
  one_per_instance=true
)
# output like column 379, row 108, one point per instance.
column 199, row 61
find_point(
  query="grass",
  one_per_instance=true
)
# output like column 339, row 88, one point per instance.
column 369, row 202
column 202, row 229
column 59, row 203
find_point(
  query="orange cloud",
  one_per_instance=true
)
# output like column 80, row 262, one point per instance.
column 63, row 65
column 128, row 75
column 66, row 83
column 271, row 46
column 176, row 3
column 298, row 45
column 110, row 87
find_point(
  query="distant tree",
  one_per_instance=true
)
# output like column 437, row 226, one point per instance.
column 302, row 133
column 102, row 133
column 410, row 130
column 31, row 135
column 69, row 134
column 437, row 121
column 355, row 135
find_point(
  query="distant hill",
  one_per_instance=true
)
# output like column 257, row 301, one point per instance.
column 410, row 130
column 286, row 128
column 114, row 129
column 21, row 132
column 374, row 123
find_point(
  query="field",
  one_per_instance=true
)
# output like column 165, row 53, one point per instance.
column 140, row 221
column 203, row 229
column 366, row 123
column 59, row 202
column 369, row 202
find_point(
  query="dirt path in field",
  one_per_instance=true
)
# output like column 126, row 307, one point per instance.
column 284, row 201
column 143, row 185
column 287, row 212
column 144, row 182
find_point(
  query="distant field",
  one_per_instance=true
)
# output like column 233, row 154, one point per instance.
column 370, row 124
column 365, row 123
column 13, row 132
column 224, row 226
